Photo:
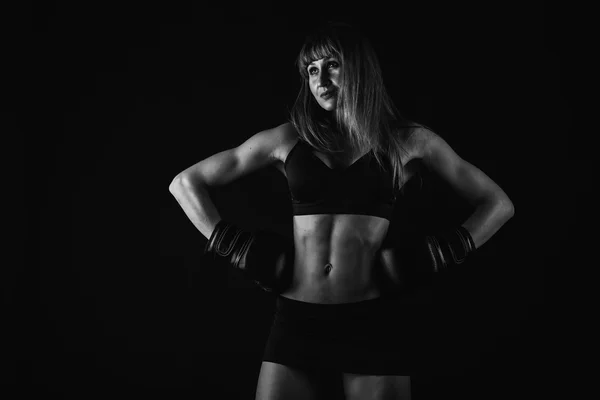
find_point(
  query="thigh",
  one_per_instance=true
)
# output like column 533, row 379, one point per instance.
column 278, row 381
column 376, row 387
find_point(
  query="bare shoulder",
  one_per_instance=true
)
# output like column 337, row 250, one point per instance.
column 419, row 140
column 286, row 138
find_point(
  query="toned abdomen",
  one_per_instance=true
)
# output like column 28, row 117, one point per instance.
column 334, row 258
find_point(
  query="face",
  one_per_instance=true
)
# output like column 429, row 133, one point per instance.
column 324, row 77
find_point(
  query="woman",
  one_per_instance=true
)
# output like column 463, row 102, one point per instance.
column 345, row 153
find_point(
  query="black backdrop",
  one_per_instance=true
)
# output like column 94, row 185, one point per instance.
column 115, row 297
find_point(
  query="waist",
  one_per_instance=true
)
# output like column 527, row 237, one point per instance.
column 340, row 278
column 331, row 310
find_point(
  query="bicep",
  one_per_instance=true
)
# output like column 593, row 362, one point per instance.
column 470, row 182
column 256, row 152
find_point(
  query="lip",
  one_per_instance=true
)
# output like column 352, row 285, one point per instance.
column 328, row 94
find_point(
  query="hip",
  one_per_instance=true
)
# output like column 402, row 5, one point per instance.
column 332, row 291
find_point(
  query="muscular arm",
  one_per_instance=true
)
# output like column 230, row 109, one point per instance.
column 197, row 205
column 493, row 206
column 190, row 187
column 487, row 219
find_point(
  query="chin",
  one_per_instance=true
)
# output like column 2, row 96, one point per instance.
column 328, row 106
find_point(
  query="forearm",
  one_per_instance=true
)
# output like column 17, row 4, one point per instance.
column 195, row 201
column 487, row 219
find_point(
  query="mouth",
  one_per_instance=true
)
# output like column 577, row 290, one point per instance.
column 328, row 94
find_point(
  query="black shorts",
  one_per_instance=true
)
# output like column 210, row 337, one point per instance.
column 369, row 337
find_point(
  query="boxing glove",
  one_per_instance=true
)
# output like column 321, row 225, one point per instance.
column 264, row 257
column 429, row 253
column 448, row 248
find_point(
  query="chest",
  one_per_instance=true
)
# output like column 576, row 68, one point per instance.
column 410, row 160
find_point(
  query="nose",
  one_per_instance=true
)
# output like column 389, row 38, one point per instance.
column 324, row 80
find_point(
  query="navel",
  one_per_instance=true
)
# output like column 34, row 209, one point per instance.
column 328, row 268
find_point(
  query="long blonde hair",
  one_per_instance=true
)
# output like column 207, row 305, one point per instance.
column 365, row 116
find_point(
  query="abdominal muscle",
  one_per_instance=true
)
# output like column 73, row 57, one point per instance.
column 334, row 258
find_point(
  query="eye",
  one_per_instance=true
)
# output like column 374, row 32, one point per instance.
column 331, row 64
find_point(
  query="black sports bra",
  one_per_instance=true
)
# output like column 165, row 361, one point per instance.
column 362, row 188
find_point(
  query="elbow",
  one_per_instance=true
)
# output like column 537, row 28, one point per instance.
column 183, row 181
column 503, row 205
column 176, row 183
column 509, row 207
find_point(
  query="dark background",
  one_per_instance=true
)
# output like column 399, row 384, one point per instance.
column 114, row 297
